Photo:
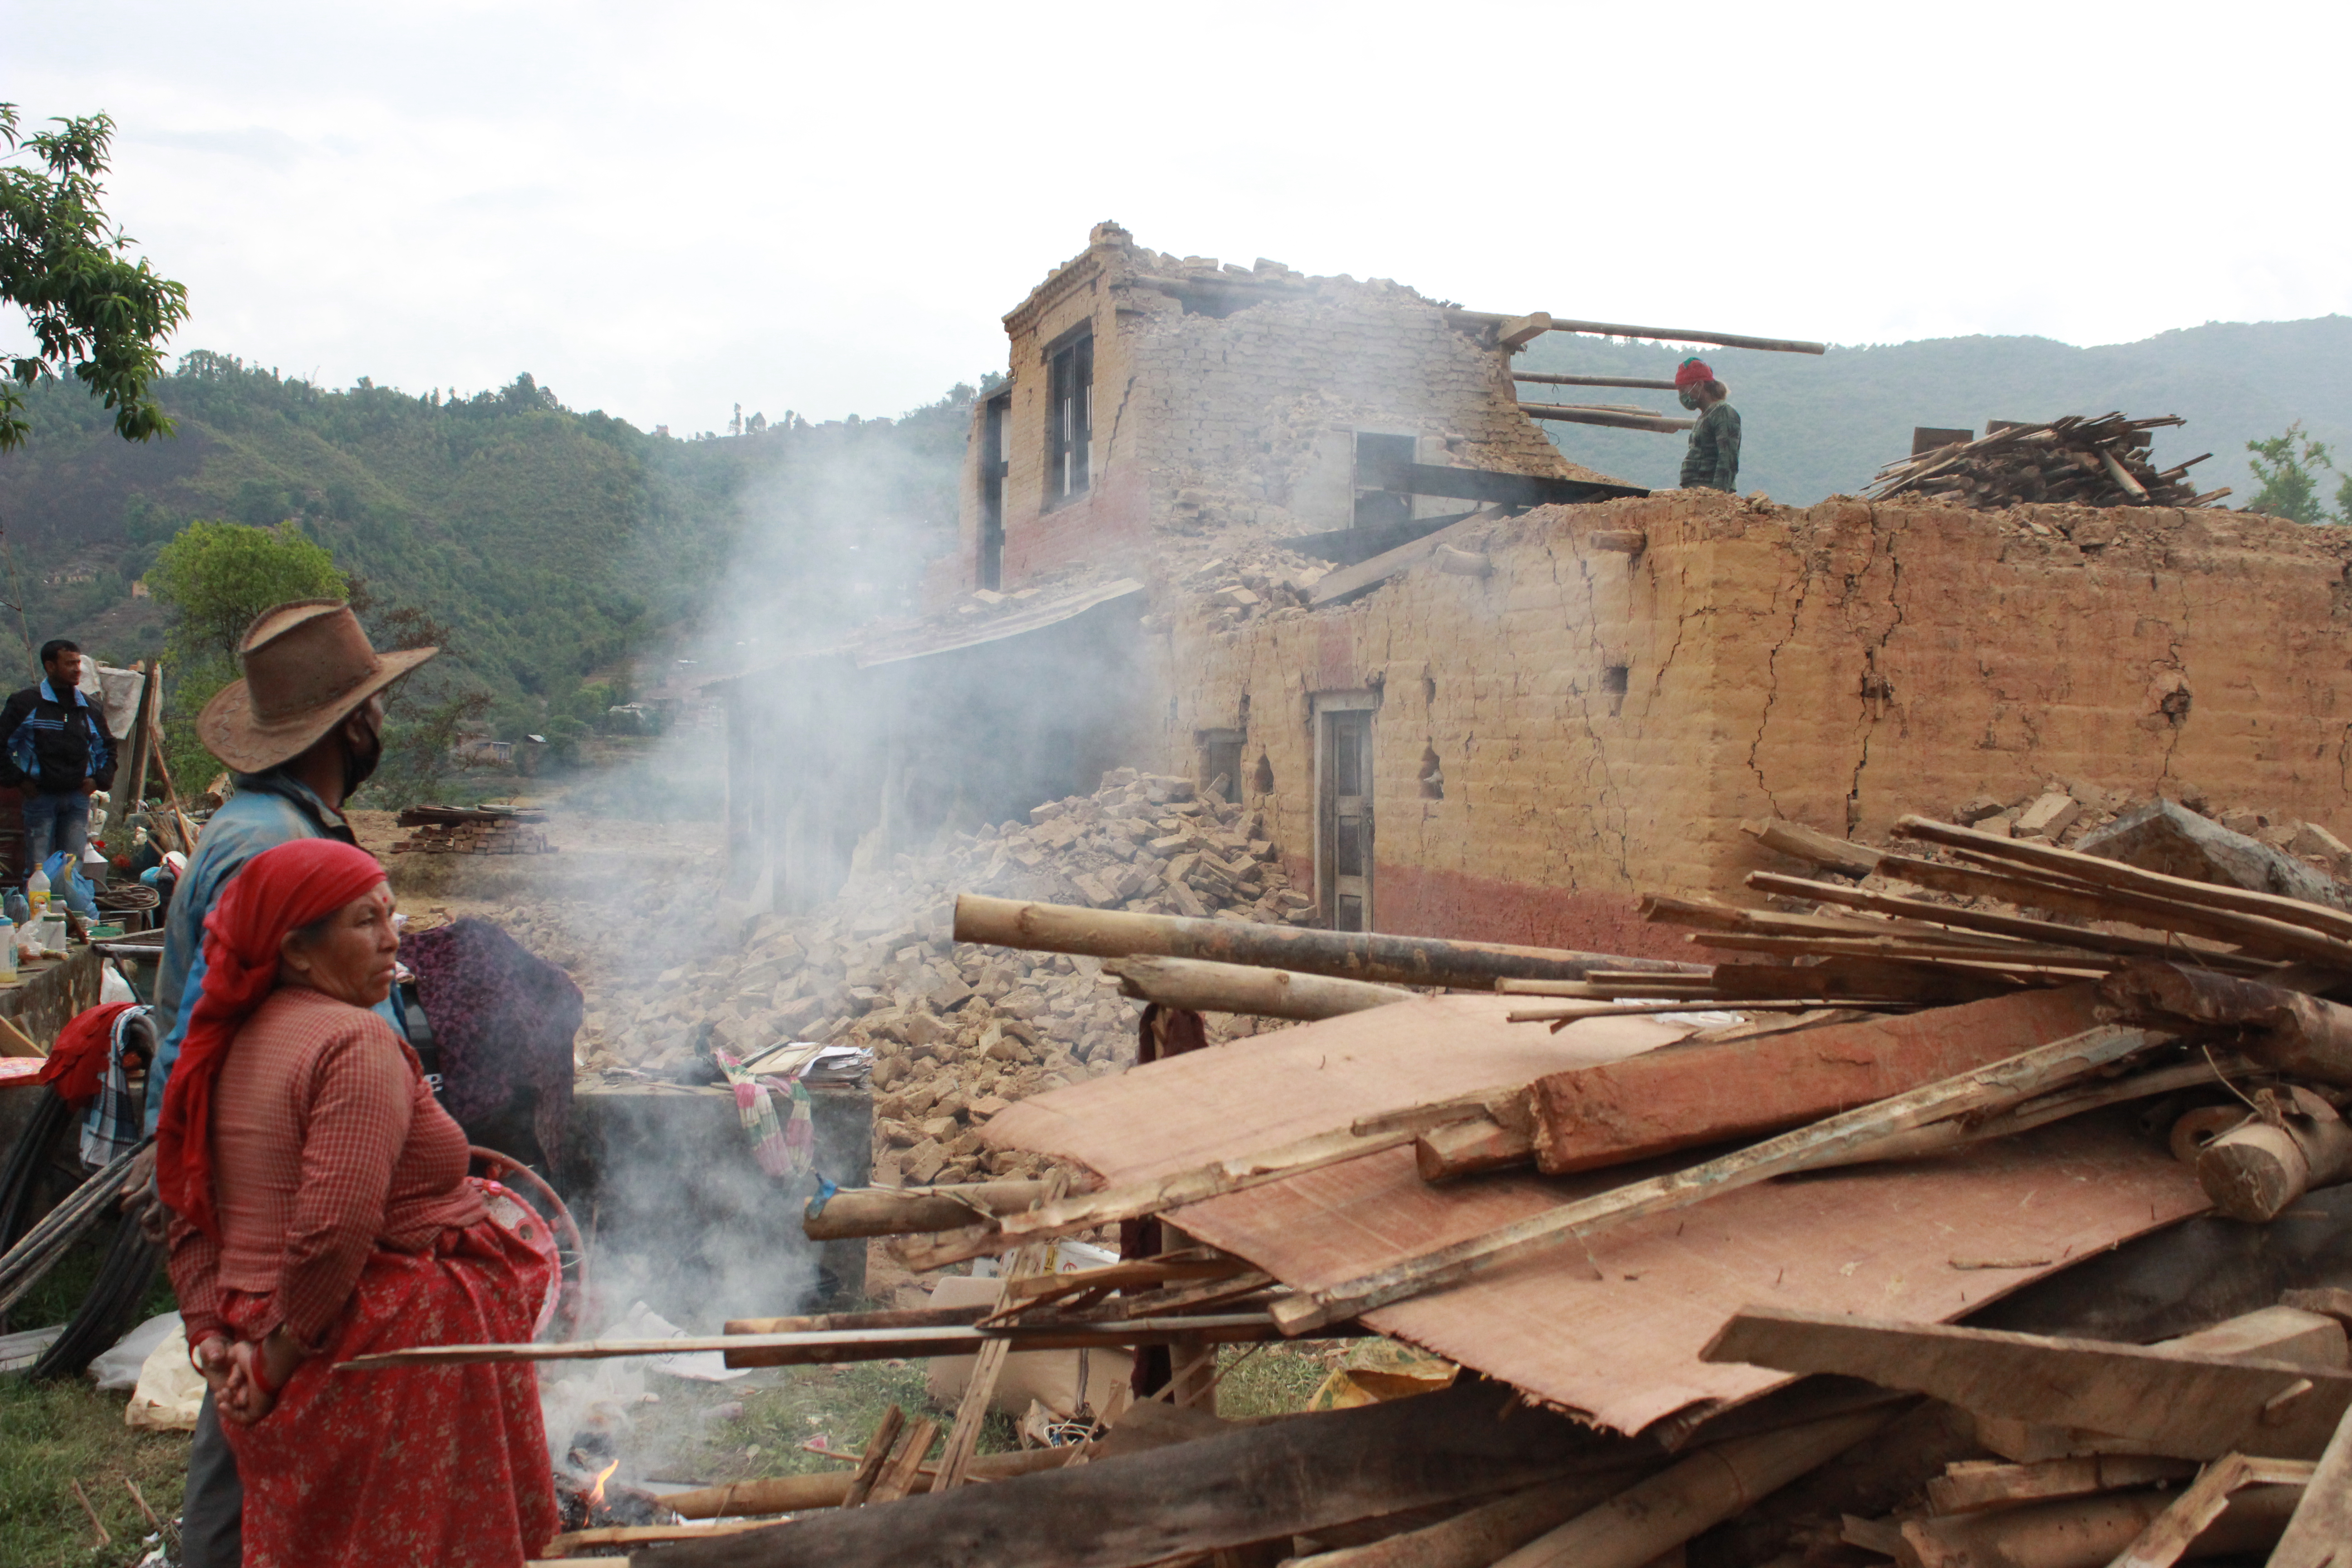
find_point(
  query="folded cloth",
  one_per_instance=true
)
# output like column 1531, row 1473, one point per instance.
column 77, row 1064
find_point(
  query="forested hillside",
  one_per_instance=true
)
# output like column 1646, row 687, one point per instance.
column 1817, row 426
column 552, row 544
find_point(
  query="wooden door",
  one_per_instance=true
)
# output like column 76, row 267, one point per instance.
column 1344, row 840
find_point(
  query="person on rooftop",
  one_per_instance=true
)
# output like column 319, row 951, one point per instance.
column 1713, row 461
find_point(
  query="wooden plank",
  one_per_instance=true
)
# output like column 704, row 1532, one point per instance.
column 2079, row 1531
column 1604, row 416
column 1547, row 379
column 1256, row 1483
column 2168, row 1535
column 877, row 1456
column 1700, row 1094
column 898, row 1478
column 2320, row 1534
column 791, row 1494
column 563, row 1547
column 2181, row 1402
column 963, row 1438
column 1517, row 332
column 1347, row 581
column 2093, row 869
column 14, row 1042
column 1837, row 1140
column 1971, row 1485
column 1813, row 846
column 1475, row 1537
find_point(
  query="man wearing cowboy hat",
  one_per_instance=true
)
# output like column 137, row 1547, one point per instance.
column 301, row 732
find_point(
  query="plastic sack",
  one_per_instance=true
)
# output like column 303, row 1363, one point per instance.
column 169, row 1392
column 68, row 885
column 118, row 1367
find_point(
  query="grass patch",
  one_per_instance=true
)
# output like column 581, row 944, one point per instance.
column 54, row 1433
column 685, row 1437
column 1273, row 1379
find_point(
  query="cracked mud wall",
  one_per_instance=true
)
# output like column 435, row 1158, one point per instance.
column 1600, row 724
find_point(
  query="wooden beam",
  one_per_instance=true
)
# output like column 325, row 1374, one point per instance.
column 899, row 1473
column 909, row 1211
column 2297, row 1034
column 1204, row 987
column 2084, row 1531
column 2180, row 1403
column 1659, row 1101
column 2093, row 869
column 1141, row 1199
column 1973, row 1484
column 1670, row 334
column 1256, row 1483
column 1516, row 333
column 2168, row 1535
column 1351, row 955
column 792, row 1494
column 877, row 1456
column 1709, row 1486
column 1613, row 418
column 2320, row 1534
column 1475, row 1537
column 1838, row 1140
column 1551, row 379
column 1814, row 847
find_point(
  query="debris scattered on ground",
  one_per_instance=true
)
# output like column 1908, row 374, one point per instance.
column 472, row 830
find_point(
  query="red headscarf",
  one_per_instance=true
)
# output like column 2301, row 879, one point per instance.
column 277, row 890
column 1691, row 372
column 76, row 1065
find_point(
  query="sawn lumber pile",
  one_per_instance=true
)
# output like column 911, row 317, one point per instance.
column 471, row 830
column 2089, row 462
column 2006, row 1016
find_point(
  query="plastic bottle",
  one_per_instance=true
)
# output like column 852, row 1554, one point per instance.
column 8, row 949
column 16, row 908
column 36, row 892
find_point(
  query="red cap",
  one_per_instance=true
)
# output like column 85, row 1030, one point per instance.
column 1693, row 372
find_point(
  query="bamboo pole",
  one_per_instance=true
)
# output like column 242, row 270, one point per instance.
column 1592, row 381
column 1349, row 955
column 909, row 1211
column 1670, row 334
column 1206, row 987
column 791, row 1494
column 1711, row 1486
column 1609, row 417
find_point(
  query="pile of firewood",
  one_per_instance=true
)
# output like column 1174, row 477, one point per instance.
column 2087, row 462
column 472, row 830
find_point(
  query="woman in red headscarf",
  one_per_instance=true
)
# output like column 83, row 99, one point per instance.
column 321, row 1211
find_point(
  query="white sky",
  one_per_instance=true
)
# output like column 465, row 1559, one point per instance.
column 663, row 210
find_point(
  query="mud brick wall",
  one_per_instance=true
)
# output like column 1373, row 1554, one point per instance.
column 1604, row 722
column 1201, row 419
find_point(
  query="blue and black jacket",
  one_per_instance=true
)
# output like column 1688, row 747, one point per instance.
column 51, row 747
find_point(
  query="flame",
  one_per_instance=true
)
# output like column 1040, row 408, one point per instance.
column 596, row 1496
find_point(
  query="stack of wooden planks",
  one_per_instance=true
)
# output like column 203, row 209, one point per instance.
column 2097, row 461
column 472, row 830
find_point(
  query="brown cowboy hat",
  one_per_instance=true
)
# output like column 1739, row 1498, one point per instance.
column 308, row 664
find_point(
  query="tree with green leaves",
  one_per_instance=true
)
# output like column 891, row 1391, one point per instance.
column 96, row 313
column 2289, row 466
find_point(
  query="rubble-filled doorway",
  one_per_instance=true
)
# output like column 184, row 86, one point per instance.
column 1343, row 809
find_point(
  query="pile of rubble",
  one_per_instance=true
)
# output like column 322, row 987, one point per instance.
column 957, row 1034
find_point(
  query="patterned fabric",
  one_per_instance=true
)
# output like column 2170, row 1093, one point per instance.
column 1713, row 461
column 757, row 1109
column 116, row 1123
column 328, row 1147
column 440, row 1466
column 503, row 1018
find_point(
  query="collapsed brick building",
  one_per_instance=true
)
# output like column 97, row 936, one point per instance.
column 1299, row 534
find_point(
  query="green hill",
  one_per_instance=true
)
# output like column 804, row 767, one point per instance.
column 1816, row 426
column 554, row 544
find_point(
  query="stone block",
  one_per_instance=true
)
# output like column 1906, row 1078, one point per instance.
column 2164, row 836
column 2048, row 816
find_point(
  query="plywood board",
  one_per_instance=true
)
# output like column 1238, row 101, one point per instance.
column 1611, row 1331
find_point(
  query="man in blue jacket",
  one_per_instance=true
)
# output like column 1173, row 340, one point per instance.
column 54, row 748
column 300, row 733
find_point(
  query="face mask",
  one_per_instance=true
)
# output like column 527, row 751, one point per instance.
column 360, row 762
column 1688, row 397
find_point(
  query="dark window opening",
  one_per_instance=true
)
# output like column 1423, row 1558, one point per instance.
column 1433, row 775
column 1344, row 818
column 1375, row 456
column 1263, row 781
column 1069, row 417
column 1614, row 680
column 995, row 462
